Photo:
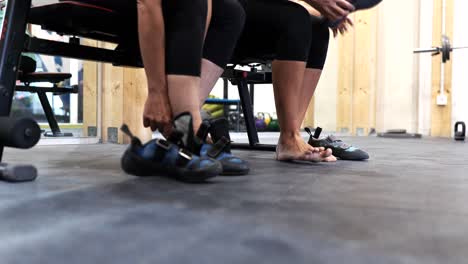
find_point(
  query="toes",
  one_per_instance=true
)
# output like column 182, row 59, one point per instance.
column 310, row 148
column 326, row 153
column 311, row 156
column 317, row 150
column 330, row 159
column 314, row 157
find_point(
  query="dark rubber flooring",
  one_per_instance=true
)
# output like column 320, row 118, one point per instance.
column 408, row 204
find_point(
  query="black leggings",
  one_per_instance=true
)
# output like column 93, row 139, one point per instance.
column 185, row 22
column 283, row 30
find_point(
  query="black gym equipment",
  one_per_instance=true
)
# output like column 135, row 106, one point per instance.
column 21, row 133
column 445, row 49
column 16, row 133
column 17, row 173
column 460, row 134
column 30, row 77
column 244, row 79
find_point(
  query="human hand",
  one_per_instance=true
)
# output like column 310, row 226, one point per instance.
column 342, row 27
column 157, row 113
column 333, row 9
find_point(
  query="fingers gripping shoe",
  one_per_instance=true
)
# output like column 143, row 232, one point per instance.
column 159, row 157
column 340, row 149
column 358, row 5
column 220, row 150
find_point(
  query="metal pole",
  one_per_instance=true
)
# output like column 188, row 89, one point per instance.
column 442, row 64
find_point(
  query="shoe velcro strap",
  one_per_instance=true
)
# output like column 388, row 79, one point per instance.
column 176, row 136
column 219, row 128
column 219, row 147
column 203, row 131
column 184, row 157
column 161, row 150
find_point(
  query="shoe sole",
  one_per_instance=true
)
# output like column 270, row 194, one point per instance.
column 237, row 173
column 134, row 165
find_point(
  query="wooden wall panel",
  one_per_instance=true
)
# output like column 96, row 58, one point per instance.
column 363, row 94
column 441, row 116
column 112, row 100
column 89, row 93
column 345, row 82
column 357, row 76
column 124, row 92
column 135, row 92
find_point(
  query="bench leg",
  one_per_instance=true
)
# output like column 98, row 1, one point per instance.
column 56, row 132
column 248, row 112
column 252, row 94
column 247, row 109
column 11, row 46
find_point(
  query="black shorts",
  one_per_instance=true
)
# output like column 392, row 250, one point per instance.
column 283, row 30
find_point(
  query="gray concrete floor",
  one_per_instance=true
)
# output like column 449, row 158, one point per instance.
column 408, row 204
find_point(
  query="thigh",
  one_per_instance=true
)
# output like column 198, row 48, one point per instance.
column 266, row 23
column 224, row 30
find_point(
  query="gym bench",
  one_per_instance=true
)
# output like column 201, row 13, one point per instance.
column 75, row 19
column 29, row 77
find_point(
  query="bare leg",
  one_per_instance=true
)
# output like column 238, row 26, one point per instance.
column 152, row 42
column 184, row 91
column 183, row 94
column 288, row 79
column 208, row 17
column 157, row 112
column 311, row 80
column 210, row 75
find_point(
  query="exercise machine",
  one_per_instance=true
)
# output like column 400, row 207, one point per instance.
column 21, row 133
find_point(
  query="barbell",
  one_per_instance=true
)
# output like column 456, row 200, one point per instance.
column 445, row 49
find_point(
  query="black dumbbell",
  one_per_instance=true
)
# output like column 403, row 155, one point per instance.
column 23, row 133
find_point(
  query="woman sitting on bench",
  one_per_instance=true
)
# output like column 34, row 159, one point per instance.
column 298, row 37
column 181, row 41
column 182, row 45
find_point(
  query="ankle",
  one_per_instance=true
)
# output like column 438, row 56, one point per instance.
column 197, row 120
column 290, row 135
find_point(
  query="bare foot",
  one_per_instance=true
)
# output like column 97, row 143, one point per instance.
column 294, row 148
column 330, row 158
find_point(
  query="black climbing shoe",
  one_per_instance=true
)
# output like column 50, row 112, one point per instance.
column 160, row 157
column 340, row 149
column 220, row 150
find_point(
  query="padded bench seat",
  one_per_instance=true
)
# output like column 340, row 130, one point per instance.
column 49, row 77
column 78, row 19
